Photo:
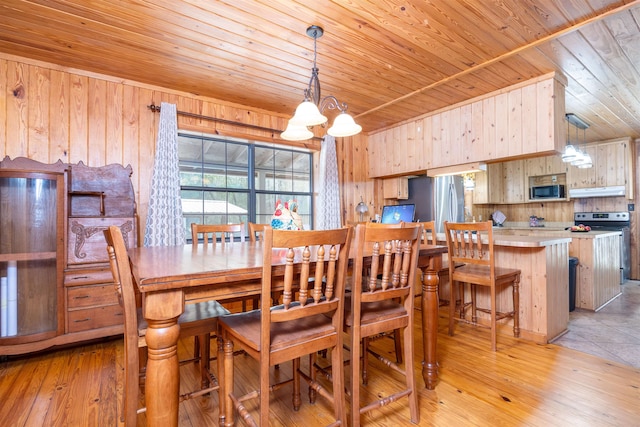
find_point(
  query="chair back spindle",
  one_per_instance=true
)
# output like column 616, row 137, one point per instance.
column 223, row 233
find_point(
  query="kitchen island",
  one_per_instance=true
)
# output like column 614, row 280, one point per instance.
column 544, row 285
column 598, row 253
column 598, row 272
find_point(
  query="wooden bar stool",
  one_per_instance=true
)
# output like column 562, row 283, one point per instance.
column 472, row 244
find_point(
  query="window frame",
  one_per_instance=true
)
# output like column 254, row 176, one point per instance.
column 251, row 191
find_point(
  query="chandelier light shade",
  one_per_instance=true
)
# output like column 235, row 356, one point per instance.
column 572, row 154
column 296, row 133
column 310, row 112
column 344, row 125
column 307, row 114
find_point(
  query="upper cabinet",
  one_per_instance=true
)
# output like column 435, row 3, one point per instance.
column 514, row 187
column 517, row 121
column 395, row 188
column 398, row 151
column 502, row 183
column 545, row 165
column 612, row 161
column 488, row 185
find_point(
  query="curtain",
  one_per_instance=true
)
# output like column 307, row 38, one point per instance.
column 328, row 210
column 165, row 225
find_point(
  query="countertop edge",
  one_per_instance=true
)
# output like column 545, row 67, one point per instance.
column 529, row 241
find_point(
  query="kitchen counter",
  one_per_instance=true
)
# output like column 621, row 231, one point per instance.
column 529, row 241
column 542, row 255
column 598, row 253
column 548, row 231
column 544, row 286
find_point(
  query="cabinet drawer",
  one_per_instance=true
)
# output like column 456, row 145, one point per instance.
column 91, row 296
column 94, row 318
column 86, row 242
column 87, row 277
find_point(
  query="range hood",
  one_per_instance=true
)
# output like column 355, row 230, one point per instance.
column 613, row 191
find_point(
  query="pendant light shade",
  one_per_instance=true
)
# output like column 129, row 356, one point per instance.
column 572, row 154
column 586, row 163
column 307, row 114
column 296, row 133
column 310, row 112
column 344, row 125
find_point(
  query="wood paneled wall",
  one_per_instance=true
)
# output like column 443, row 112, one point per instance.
column 48, row 112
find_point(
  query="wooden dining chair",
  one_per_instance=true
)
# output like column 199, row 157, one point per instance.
column 472, row 244
column 197, row 320
column 382, row 300
column 395, row 334
column 222, row 233
column 256, row 231
column 300, row 326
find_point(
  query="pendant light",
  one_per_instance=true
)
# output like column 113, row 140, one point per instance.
column 572, row 154
column 309, row 112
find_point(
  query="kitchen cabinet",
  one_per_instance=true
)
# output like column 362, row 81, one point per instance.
column 502, row 183
column 395, row 188
column 545, row 165
column 545, row 170
column 612, row 161
column 514, row 188
column 486, row 128
column 397, row 151
column 598, row 271
column 488, row 185
column 32, row 210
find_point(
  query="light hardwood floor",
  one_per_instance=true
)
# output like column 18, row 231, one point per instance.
column 522, row 384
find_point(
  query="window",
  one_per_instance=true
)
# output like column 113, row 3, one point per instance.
column 225, row 180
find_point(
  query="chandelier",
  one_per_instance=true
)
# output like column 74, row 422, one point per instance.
column 309, row 112
column 572, row 153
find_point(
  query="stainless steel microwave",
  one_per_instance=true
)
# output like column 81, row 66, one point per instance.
column 555, row 191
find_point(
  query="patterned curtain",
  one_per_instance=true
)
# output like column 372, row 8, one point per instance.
column 165, row 225
column 328, row 210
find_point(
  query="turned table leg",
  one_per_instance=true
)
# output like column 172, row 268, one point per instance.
column 430, row 322
column 162, row 384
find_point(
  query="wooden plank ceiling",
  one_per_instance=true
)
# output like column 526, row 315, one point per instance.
column 390, row 60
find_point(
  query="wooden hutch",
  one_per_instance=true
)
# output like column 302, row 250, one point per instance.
column 57, row 287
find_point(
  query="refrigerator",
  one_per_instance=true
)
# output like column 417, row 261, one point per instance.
column 448, row 200
column 421, row 195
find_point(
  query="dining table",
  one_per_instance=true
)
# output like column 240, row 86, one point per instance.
column 168, row 277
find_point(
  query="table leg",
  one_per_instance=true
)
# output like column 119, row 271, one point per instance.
column 227, row 406
column 430, row 325
column 162, row 384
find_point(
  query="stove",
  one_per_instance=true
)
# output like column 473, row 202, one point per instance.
column 611, row 221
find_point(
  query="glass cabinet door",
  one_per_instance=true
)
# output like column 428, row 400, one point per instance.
column 31, row 254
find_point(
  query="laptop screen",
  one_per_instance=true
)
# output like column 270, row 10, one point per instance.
column 393, row 214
